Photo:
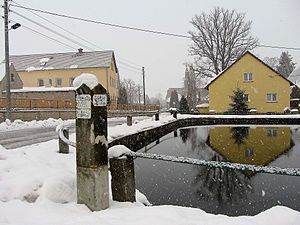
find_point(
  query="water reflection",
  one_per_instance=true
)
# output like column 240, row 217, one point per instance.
column 218, row 190
column 239, row 134
column 257, row 146
column 224, row 185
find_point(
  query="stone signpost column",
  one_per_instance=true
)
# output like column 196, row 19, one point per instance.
column 91, row 147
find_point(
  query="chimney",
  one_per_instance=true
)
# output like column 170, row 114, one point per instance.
column 80, row 50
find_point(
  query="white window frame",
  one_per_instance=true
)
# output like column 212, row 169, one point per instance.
column 272, row 132
column 249, row 152
column 246, row 97
column 248, row 77
column 71, row 79
column 40, row 81
column 12, row 77
column 50, row 82
column 272, row 97
column 56, row 82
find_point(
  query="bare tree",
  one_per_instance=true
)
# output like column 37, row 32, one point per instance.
column 271, row 61
column 132, row 90
column 221, row 37
column 190, row 86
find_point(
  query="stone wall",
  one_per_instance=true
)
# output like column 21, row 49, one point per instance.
column 29, row 115
column 139, row 140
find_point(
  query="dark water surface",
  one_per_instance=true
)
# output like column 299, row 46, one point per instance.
column 223, row 191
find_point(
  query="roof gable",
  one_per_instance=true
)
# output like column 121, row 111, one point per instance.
column 68, row 60
column 255, row 57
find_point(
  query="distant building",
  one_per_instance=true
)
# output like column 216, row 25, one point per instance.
column 295, row 76
column 201, row 93
column 265, row 89
column 60, row 69
column 15, row 81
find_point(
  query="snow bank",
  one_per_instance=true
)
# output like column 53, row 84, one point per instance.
column 86, row 78
column 19, row 124
column 38, row 187
column 122, row 130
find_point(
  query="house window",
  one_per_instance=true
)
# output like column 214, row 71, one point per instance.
column 248, row 77
column 71, row 81
column 50, row 82
column 12, row 77
column 249, row 152
column 40, row 82
column 246, row 97
column 58, row 82
column 271, row 97
column 272, row 132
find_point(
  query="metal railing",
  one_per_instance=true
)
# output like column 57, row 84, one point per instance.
column 198, row 162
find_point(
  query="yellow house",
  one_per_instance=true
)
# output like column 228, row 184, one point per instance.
column 259, row 146
column 60, row 69
column 265, row 89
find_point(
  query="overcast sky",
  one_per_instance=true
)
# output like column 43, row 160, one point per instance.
column 275, row 22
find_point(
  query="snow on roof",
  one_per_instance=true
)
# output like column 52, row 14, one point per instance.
column 86, row 78
column 43, row 89
column 44, row 60
column 73, row 66
column 66, row 60
column 295, row 76
column 203, row 105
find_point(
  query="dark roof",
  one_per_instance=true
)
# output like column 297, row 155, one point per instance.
column 247, row 52
column 68, row 60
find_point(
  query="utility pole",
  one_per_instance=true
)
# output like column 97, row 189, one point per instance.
column 139, row 94
column 7, row 72
column 144, row 88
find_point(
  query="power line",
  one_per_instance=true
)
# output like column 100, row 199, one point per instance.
column 69, row 46
column 137, row 71
column 77, row 36
column 103, row 23
column 45, row 36
column 53, row 31
column 131, row 70
column 136, row 28
column 279, row 47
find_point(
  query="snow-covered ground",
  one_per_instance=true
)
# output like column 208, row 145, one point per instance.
column 38, row 186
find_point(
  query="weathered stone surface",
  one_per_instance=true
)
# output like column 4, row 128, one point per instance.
column 91, row 148
column 156, row 116
column 92, row 187
column 129, row 120
column 91, row 134
column 139, row 140
column 63, row 147
column 123, row 181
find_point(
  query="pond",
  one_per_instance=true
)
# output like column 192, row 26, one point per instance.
column 223, row 191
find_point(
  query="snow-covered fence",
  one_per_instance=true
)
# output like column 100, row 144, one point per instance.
column 63, row 139
column 215, row 164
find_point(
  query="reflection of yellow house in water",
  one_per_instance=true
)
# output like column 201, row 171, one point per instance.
column 260, row 146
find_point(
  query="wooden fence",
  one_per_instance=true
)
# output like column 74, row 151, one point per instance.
column 67, row 104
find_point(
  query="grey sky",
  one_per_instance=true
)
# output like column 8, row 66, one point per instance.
column 275, row 22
